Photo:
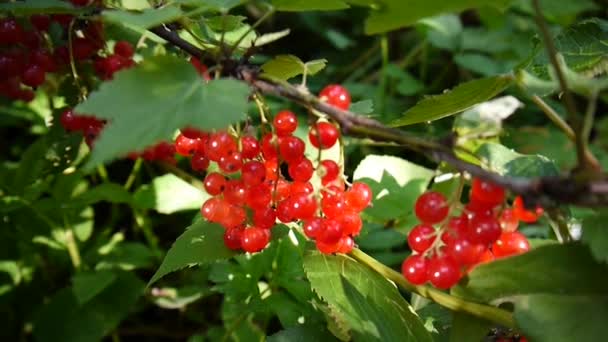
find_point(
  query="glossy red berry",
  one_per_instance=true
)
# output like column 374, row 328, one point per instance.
column 258, row 196
column 70, row 121
column 421, row 237
column 231, row 163
column 443, row 272
column 124, row 49
column 270, row 146
column 291, row 149
column 457, row 227
column 358, row 197
column 232, row 238
column 235, row 217
column 487, row 192
column 253, row 173
column 300, row 187
column 220, row 144
column 301, row 171
column 508, row 221
column 44, row 59
column 414, row 269
column 336, row 95
column 346, row 244
column 313, row 227
column 250, row 147
column 303, row 206
column 284, row 211
column 483, row 230
column 235, row 192
column 185, row 146
column 33, row 76
column 323, row 135
column 329, row 171
column 11, row 32
column 285, row 123
column 327, row 248
column 331, row 232
column 254, row 239
column 199, row 162
column 523, row 214
column 264, row 218
column 431, row 207
column 351, row 223
column 510, row 243
column 463, row 251
column 214, row 183
column 215, row 209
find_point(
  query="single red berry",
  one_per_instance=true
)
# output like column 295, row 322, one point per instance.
column 44, row 59
column 331, row 232
column 327, row 248
column 285, row 123
column 351, row 223
column 270, row 146
column 329, row 171
column 463, row 251
column 301, row 171
column 41, row 22
column 421, row 237
column 264, row 218
column 27, row 95
column 483, row 230
column 291, row 149
column 414, row 269
column 431, row 207
column 510, row 243
column 303, row 206
column 185, row 146
column 82, row 49
column 457, row 227
column 346, row 244
column 253, row 173
column 250, row 147
column 235, row 192
column 487, row 192
column 254, row 239
column 235, row 217
column 259, row 196
column 284, row 211
column 214, row 183
column 199, row 162
column 358, row 197
column 336, row 95
column 232, row 238
column 478, row 209
column 323, row 135
column 272, row 169
column 124, row 49
column 333, row 206
column 215, row 209
column 508, row 221
column 33, row 76
column 313, row 227
column 80, row 3
column 231, row 163
column 70, row 121
column 193, row 133
column 11, row 32
column 164, row 151
column 300, row 187
column 443, row 272
column 281, row 190
column 486, row 257
column 220, row 144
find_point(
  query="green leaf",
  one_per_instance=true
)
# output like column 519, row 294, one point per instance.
column 459, row 99
column 107, row 192
column 285, row 67
column 38, row 7
column 302, row 333
column 443, row 31
column 309, row 5
column 389, row 15
column 63, row 319
column 480, row 64
column 510, row 163
column 127, row 256
column 171, row 298
column 147, row 103
column 362, row 107
column 373, row 307
column 168, row 194
column 145, row 19
column 202, row 242
column 87, row 285
column 595, row 235
column 468, row 328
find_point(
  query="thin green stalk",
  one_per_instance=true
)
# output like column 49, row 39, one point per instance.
column 487, row 312
column 554, row 117
column 72, row 247
column 253, row 27
column 149, row 235
column 133, row 174
column 384, row 73
column 103, row 173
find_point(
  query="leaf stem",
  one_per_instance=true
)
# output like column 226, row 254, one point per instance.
column 133, row 174
column 554, row 117
column 487, row 312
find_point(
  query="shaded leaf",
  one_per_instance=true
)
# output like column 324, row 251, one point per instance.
column 87, row 285
column 145, row 19
column 285, row 67
column 302, row 333
column 459, row 99
column 309, row 5
column 108, row 192
column 202, row 242
column 595, row 235
column 510, row 163
column 147, row 103
column 466, row 327
column 362, row 107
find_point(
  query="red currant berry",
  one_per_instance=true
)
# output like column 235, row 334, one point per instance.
column 358, row 197
column 351, row 223
column 333, row 206
column 235, row 192
column 313, row 227
column 329, row 171
column 264, row 218
column 124, row 49
column 82, row 49
column 232, row 238
column 192, row 133
column 44, row 59
column 199, row 162
column 511, row 243
column 414, row 269
column 80, row 3
column 464, row 252
column 10, row 32
column 331, row 232
column 483, row 230
column 301, row 171
column 270, row 146
column 431, row 207
column 508, row 221
column 250, row 147
column 284, row 211
column 285, row 123
column 336, row 95
column 524, row 214
column 272, row 169
column 231, row 163
column 253, row 173
column 215, row 209
column 235, row 218
column 214, row 183
column 421, row 238
column 259, row 196
column 185, row 146
column 323, row 135
column 220, row 144
column 291, row 149
column 303, row 206
column 487, row 192
column 300, row 187
column 70, row 121
column 33, row 76
column 281, row 190
column 457, row 227
column 254, row 239
column 443, row 272
column 326, row 248
column 346, row 244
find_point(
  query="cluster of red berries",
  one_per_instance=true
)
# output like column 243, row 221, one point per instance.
column 484, row 231
column 27, row 53
column 252, row 191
